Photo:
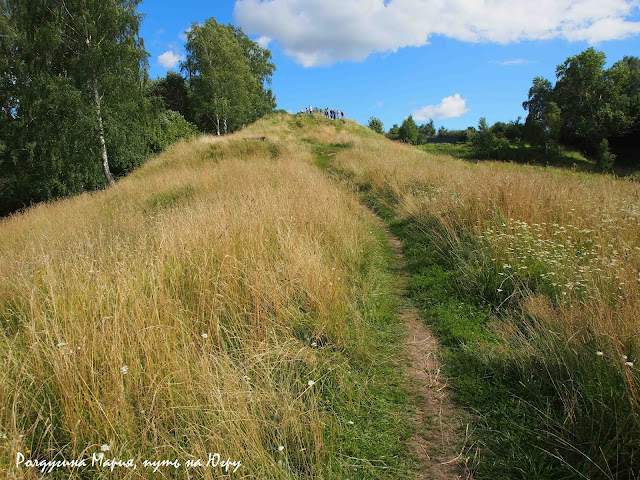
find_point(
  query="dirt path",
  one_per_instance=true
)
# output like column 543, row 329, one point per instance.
column 436, row 444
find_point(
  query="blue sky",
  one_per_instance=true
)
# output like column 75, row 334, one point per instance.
column 453, row 61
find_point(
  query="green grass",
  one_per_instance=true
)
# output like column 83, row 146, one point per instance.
column 323, row 153
column 521, row 428
column 456, row 150
column 374, row 391
column 376, row 385
column 525, row 154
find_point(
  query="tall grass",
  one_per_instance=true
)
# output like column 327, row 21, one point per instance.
column 557, row 256
column 223, row 298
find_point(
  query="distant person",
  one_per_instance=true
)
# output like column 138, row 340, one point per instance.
column 342, row 113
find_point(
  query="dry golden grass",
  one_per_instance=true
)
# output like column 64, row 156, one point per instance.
column 186, row 310
column 584, row 229
column 561, row 249
column 183, row 312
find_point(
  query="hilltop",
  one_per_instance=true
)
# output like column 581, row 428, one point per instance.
column 232, row 295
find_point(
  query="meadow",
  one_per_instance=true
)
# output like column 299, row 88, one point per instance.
column 230, row 295
column 225, row 298
column 531, row 276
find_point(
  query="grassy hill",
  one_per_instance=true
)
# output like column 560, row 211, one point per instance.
column 231, row 296
column 227, row 297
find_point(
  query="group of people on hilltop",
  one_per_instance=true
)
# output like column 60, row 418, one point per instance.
column 327, row 112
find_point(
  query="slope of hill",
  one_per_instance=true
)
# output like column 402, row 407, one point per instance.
column 226, row 297
column 231, row 296
column 531, row 278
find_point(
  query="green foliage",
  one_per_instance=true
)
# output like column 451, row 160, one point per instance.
column 426, row 131
column 170, row 127
column 514, row 131
column 394, row 132
column 587, row 104
column 376, row 125
column 606, row 159
column 174, row 93
column 228, row 74
column 484, row 141
column 442, row 132
column 591, row 98
column 55, row 60
column 408, row 131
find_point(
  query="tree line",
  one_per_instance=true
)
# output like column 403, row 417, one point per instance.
column 78, row 109
column 593, row 109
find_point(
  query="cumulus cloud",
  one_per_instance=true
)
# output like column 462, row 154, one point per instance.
column 449, row 107
column 170, row 59
column 263, row 41
column 322, row 32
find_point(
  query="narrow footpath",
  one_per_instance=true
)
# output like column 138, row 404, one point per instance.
column 436, row 445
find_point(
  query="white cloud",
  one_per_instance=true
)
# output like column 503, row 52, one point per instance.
column 263, row 41
column 449, row 107
column 322, row 32
column 515, row 61
column 170, row 59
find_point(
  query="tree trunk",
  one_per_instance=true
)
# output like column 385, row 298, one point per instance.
column 225, row 124
column 103, row 146
column 546, row 151
column 218, row 124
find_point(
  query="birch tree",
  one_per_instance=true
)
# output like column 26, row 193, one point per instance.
column 227, row 74
column 109, row 57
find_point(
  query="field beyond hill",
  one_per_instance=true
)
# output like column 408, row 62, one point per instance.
column 233, row 295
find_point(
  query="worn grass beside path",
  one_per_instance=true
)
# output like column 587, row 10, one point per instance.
column 530, row 277
column 226, row 297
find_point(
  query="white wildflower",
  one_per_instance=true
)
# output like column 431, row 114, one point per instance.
column 599, row 353
column 205, row 335
column 124, row 370
column 105, row 447
column 281, row 448
column 629, row 364
column 311, row 383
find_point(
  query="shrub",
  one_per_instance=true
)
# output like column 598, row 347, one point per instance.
column 170, row 127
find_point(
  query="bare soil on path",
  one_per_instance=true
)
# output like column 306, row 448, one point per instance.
column 437, row 444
